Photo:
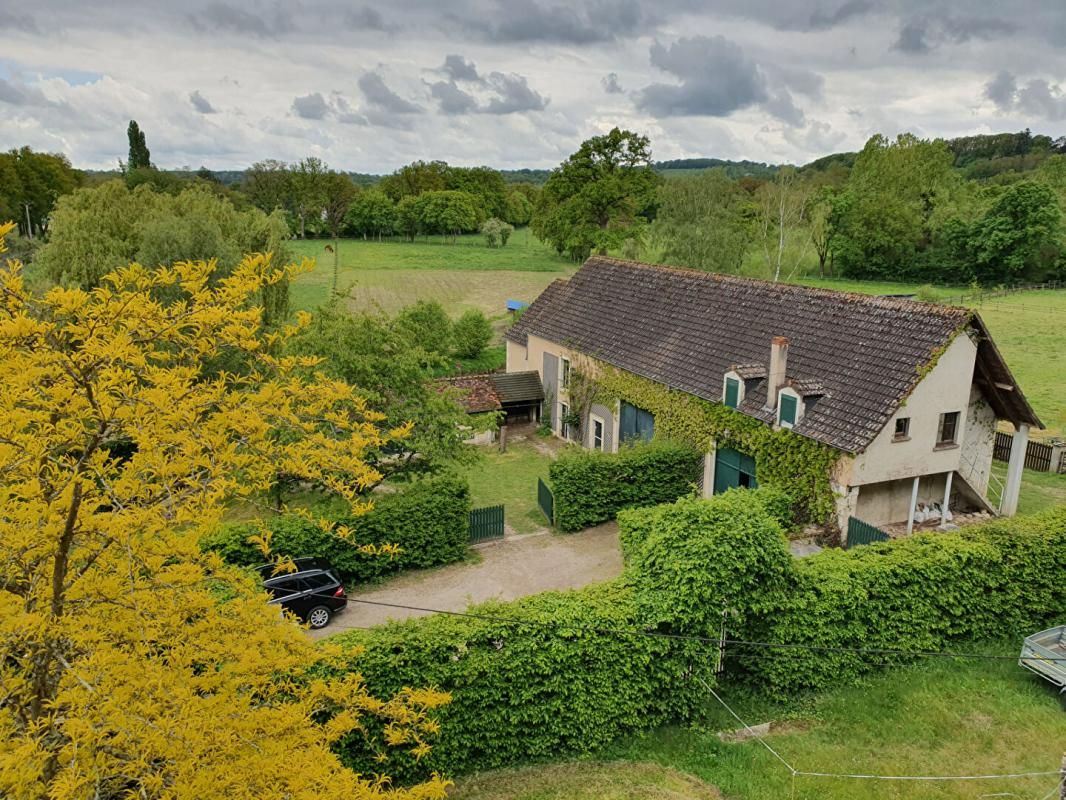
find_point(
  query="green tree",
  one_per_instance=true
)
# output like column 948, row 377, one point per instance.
column 449, row 212
column 519, row 208
column 139, row 157
column 485, row 184
column 372, row 213
column 703, row 222
column 425, row 325
column 414, row 179
column 268, row 185
column 95, row 230
column 409, row 217
column 594, row 200
column 1017, row 237
column 338, row 192
column 384, row 358
column 471, row 334
column 822, row 226
column 496, row 232
column 899, row 195
column 30, row 184
column 307, row 191
column 780, row 209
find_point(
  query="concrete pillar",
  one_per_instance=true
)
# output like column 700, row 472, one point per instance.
column 947, row 499
column 1058, row 453
column 914, row 505
column 708, row 471
column 1008, row 504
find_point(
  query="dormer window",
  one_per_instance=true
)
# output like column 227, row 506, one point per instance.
column 787, row 408
column 732, row 390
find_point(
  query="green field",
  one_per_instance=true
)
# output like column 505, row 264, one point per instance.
column 465, row 274
column 940, row 718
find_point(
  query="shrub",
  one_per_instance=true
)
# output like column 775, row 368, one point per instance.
column 429, row 520
column 531, row 692
column 593, row 487
column 471, row 334
column 921, row 593
column 496, row 232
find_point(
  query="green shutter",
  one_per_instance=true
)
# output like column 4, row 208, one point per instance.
column 732, row 392
column 788, row 409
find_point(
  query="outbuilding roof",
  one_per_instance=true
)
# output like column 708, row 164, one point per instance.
column 686, row 328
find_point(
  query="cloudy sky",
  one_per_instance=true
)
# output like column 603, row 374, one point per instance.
column 518, row 83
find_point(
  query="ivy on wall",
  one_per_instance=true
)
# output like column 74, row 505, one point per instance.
column 795, row 464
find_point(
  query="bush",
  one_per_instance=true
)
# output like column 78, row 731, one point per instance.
column 926, row 592
column 496, row 232
column 471, row 334
column 533, row 692
column 593, row 487
column 429, row 520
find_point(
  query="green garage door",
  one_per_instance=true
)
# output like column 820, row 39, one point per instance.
column 731, row 469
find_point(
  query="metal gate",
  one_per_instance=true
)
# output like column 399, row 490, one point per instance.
column 486, row 524
column 546, row 500
column 860, row 532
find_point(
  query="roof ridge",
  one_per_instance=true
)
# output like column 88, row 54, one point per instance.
column 810, row 291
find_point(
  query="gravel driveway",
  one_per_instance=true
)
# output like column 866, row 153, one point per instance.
column 514, row 567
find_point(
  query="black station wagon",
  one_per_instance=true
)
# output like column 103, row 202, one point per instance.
column 314, row 593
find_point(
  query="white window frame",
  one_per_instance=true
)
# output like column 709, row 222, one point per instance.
column 593, row 419
column 799, row 407
column 565, row 368
column 740, row 387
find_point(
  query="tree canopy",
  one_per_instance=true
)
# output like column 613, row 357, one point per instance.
column 121, row 643
column 140, row 157
column 30, row 185
column 596, row 198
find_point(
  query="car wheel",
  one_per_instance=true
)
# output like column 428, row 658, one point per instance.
column 318, row 617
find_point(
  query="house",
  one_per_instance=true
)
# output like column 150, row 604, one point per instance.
column 517, row 397
column 908, row 395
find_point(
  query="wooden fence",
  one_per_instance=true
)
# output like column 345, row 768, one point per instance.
column 486, row 524
column 1038, row 455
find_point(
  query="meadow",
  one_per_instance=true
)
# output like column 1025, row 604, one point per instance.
column 939, row 718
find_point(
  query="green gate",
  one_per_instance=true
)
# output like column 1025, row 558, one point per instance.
column 860, row 532
column 546, row 500
column 486, row 524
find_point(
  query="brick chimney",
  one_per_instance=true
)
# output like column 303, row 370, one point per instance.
column 775, row 378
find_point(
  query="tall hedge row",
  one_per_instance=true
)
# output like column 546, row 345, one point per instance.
column 523, row 693
column 429, row 520
column 592, row 487
column 932, row 591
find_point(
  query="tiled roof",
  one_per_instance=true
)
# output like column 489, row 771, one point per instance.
column 686, row 329
column 477, row 393
column 518, row 387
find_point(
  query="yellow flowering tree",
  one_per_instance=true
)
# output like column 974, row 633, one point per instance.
column 131, row 664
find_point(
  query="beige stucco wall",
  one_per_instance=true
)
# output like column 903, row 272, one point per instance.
column 946, row 388
column 885, row 503
column 978, row 440
column 517, row 358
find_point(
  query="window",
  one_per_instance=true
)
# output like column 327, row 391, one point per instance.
column 635, row 423
column 903, row 430
column 732, row 392
column 597, row 433
column 786, row 410
column 949, row 429
column 564, row 427
column 564, row 373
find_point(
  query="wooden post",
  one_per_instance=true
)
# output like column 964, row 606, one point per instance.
column 503, row 438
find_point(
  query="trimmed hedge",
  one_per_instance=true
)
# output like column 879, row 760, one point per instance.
column 592, row 487
column 524, row 693
column 429, row 520
column 931, row 591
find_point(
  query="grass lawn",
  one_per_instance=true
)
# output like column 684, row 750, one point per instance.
column 1040, row 490
column 937, row 718
column 461, row 275
column 586, row 781
column 510, row 479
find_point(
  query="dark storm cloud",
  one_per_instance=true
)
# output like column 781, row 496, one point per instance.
column 1037, row 98
column 9, row 20
column 459, row 69
column 610, row 83
column 219, row 16
column 381, row 98
column 451, row 99
column 926, row 33
column 513, row 95
column 201, row 103
column 822, row 20
column 311, row 106
column 716, row 78
column 572, row 23
column 15, row 93
column 366, row 18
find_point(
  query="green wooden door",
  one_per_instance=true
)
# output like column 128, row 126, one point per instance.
column 733, row 469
